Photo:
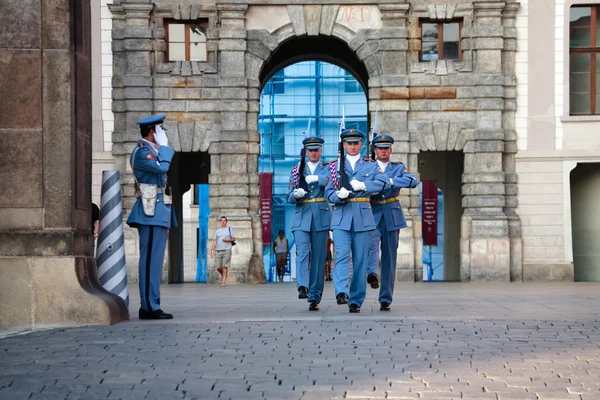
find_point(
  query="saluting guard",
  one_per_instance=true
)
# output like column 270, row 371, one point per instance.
column 389, row 219
column 152, row 214
column 311, row 221
column 352, row 218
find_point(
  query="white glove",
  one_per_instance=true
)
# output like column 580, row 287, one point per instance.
column 311, row 178
column 299, row 193
column 342, row 193
column 161, row 136
column 357, row 186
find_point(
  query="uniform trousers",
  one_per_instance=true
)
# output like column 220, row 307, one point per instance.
column 302, row 253
column 315, row 244
column 153, row 240
column 357, row 242
column 388, row 243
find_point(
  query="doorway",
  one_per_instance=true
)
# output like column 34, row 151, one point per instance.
column 445, row 168
column 585, row 221
column 187, row 170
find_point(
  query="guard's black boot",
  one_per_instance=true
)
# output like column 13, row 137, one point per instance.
column 303, row 292
column 342, row 298
column 373, row 280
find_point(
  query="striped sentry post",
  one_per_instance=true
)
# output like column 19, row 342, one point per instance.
column 110, row 255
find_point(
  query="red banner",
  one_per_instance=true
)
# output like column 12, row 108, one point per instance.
column 430, row 213
column 265, row 181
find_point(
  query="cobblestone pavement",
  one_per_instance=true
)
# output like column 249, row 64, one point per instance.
column 440, row 341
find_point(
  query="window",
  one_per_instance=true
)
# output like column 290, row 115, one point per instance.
column 276, row 84
column 186, row 41
column 440, row 40
column 195, row 199
column 584, row 60
column 278, row 141
column 351, row 85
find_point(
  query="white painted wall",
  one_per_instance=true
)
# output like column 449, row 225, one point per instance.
column 521, row 73
column 559, row 70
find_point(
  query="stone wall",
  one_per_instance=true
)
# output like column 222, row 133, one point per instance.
column 465, row 105
column 47, row 270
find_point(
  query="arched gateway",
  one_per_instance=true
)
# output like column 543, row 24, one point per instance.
column 461, row 101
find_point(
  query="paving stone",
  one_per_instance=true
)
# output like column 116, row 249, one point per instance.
column 457, row 345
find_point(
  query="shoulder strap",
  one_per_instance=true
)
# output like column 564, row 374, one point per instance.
column 133, row 167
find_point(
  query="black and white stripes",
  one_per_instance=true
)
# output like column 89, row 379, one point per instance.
column 112, row 270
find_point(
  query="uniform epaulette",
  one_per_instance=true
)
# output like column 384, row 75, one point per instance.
column 329, row 162
column 397, row 162
column 368, row 159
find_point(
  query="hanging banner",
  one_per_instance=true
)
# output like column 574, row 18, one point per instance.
column 265, row 181
column 430, row 213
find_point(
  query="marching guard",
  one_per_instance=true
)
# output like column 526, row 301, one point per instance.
column 389, row 219
column 352, row 218
column 311, row 220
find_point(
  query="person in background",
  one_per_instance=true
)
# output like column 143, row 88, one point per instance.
column 328, row 259
column 95, row 223
column 281, row 250
column 221, row 249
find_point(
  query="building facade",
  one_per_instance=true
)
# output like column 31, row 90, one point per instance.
column 465, row 89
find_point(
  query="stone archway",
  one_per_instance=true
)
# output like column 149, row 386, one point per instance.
column 310, row 33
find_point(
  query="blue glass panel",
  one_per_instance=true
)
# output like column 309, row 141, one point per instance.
column 203, row 213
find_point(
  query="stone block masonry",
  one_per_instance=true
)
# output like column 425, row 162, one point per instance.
column 440, row 105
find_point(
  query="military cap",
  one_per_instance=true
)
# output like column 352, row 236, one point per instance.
column 352, row 135
column 152, row 120
column 313, row 143
column 383, row 141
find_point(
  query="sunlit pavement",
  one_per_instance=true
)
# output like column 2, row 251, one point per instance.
column 439, row 341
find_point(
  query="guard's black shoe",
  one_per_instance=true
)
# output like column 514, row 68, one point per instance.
column 303, row 292
column 373, row 280
column 314, row 306
column 342, row 298
column 354, row 308
column 385, row 306
column 156, row 314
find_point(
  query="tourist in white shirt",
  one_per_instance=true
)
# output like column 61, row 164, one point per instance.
column 221, row 247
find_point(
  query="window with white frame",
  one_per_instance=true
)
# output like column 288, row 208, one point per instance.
column 186, row 41
column 440, row 40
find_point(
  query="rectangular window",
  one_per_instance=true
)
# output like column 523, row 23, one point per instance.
column 351, row 85
column 186, row 41
column 195, row 199
column 278, row 141
column 276, row 85
column 440, row 40
column 584, row 60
